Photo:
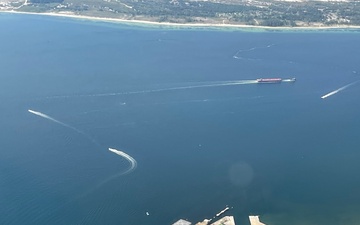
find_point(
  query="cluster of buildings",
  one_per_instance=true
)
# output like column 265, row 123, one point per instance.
column 226, row 220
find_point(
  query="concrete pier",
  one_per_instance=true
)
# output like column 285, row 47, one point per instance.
column 227, row 220
column 254, row 220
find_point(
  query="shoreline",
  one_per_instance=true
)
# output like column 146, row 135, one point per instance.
column 179, row 25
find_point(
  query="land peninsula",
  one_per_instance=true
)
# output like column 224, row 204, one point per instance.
column 220, row 13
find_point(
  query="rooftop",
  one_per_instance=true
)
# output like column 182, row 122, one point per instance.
column 182, row 222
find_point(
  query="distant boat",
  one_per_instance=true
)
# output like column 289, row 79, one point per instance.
column 274, row 80
column 222, row 211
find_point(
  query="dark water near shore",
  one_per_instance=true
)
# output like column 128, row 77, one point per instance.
column 278, row 151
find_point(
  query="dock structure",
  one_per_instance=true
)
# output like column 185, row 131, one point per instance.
column 204, row 222
column 254, row 220
column 182, row 222
column 227, row 220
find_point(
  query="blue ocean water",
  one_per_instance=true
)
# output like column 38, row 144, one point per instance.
column 158, row 94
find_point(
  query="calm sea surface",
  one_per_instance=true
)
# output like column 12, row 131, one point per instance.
column 175, row 100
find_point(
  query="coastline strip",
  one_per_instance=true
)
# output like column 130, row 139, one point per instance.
column 185, row 25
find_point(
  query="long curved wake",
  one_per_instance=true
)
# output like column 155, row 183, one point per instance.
column 338, row 90
column 132, row 161
column 133, row 165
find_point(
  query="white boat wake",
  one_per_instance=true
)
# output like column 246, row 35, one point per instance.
column 43, row 115
column 133, row 165
column 132, row 161
column 338, row 90
column 232, row 83
column 212, row 84
column 237, row 54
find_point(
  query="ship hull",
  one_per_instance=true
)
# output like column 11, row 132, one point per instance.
column 269, row 80
column 273, row 80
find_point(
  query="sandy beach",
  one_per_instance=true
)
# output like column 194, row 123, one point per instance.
column 179, row 25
